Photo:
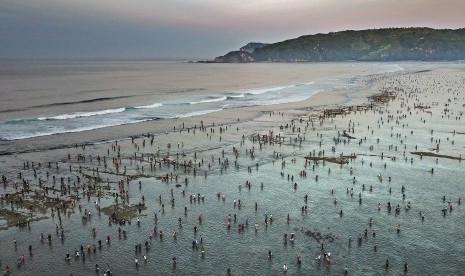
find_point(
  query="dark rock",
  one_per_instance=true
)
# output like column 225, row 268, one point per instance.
column 250, row 47
column 235, row 57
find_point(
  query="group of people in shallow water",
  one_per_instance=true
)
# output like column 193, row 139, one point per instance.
column 177, row 167
column 268, row 219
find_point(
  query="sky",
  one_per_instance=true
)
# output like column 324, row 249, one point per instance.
column 196, row 29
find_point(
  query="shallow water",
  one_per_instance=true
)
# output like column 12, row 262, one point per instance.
column 42, row 98
column 432, row 247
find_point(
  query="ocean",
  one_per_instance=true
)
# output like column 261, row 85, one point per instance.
column 70, row 122
column 42, row 98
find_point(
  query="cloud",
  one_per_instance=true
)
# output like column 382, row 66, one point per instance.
column 198, row 27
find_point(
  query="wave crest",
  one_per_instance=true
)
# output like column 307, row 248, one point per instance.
column 82, row 114
column 211, row 100
column 155, row 105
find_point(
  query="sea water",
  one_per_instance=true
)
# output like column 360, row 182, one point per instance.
column 430, row 248
column 42, row 98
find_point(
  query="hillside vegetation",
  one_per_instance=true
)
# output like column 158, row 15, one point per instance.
column 368, row 45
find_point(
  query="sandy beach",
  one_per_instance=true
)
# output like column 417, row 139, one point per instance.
column 362, row 180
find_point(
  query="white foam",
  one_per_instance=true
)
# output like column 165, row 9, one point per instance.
column 197, row 113
column 210, row 100
column 283, row 100
column 53, row 131
column 242, row 95
column 83, row 114
column 259, row 91
column 155, row 105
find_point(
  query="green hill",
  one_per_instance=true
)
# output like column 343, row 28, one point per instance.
column 393, row 44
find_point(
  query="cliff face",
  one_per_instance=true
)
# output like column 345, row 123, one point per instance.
column 395, row 44
column 235, row 57
column 250, row 47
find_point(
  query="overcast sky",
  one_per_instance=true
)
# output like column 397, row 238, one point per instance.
column 196, row 28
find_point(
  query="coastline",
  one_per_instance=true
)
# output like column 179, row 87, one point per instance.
column 359, row 96
column 344, row 96
column 269, row 140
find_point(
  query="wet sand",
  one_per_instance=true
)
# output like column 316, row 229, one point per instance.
column 324, row 145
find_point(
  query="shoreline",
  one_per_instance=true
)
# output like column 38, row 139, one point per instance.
column 345, row 149
column 322, row 99
column 316, row 106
